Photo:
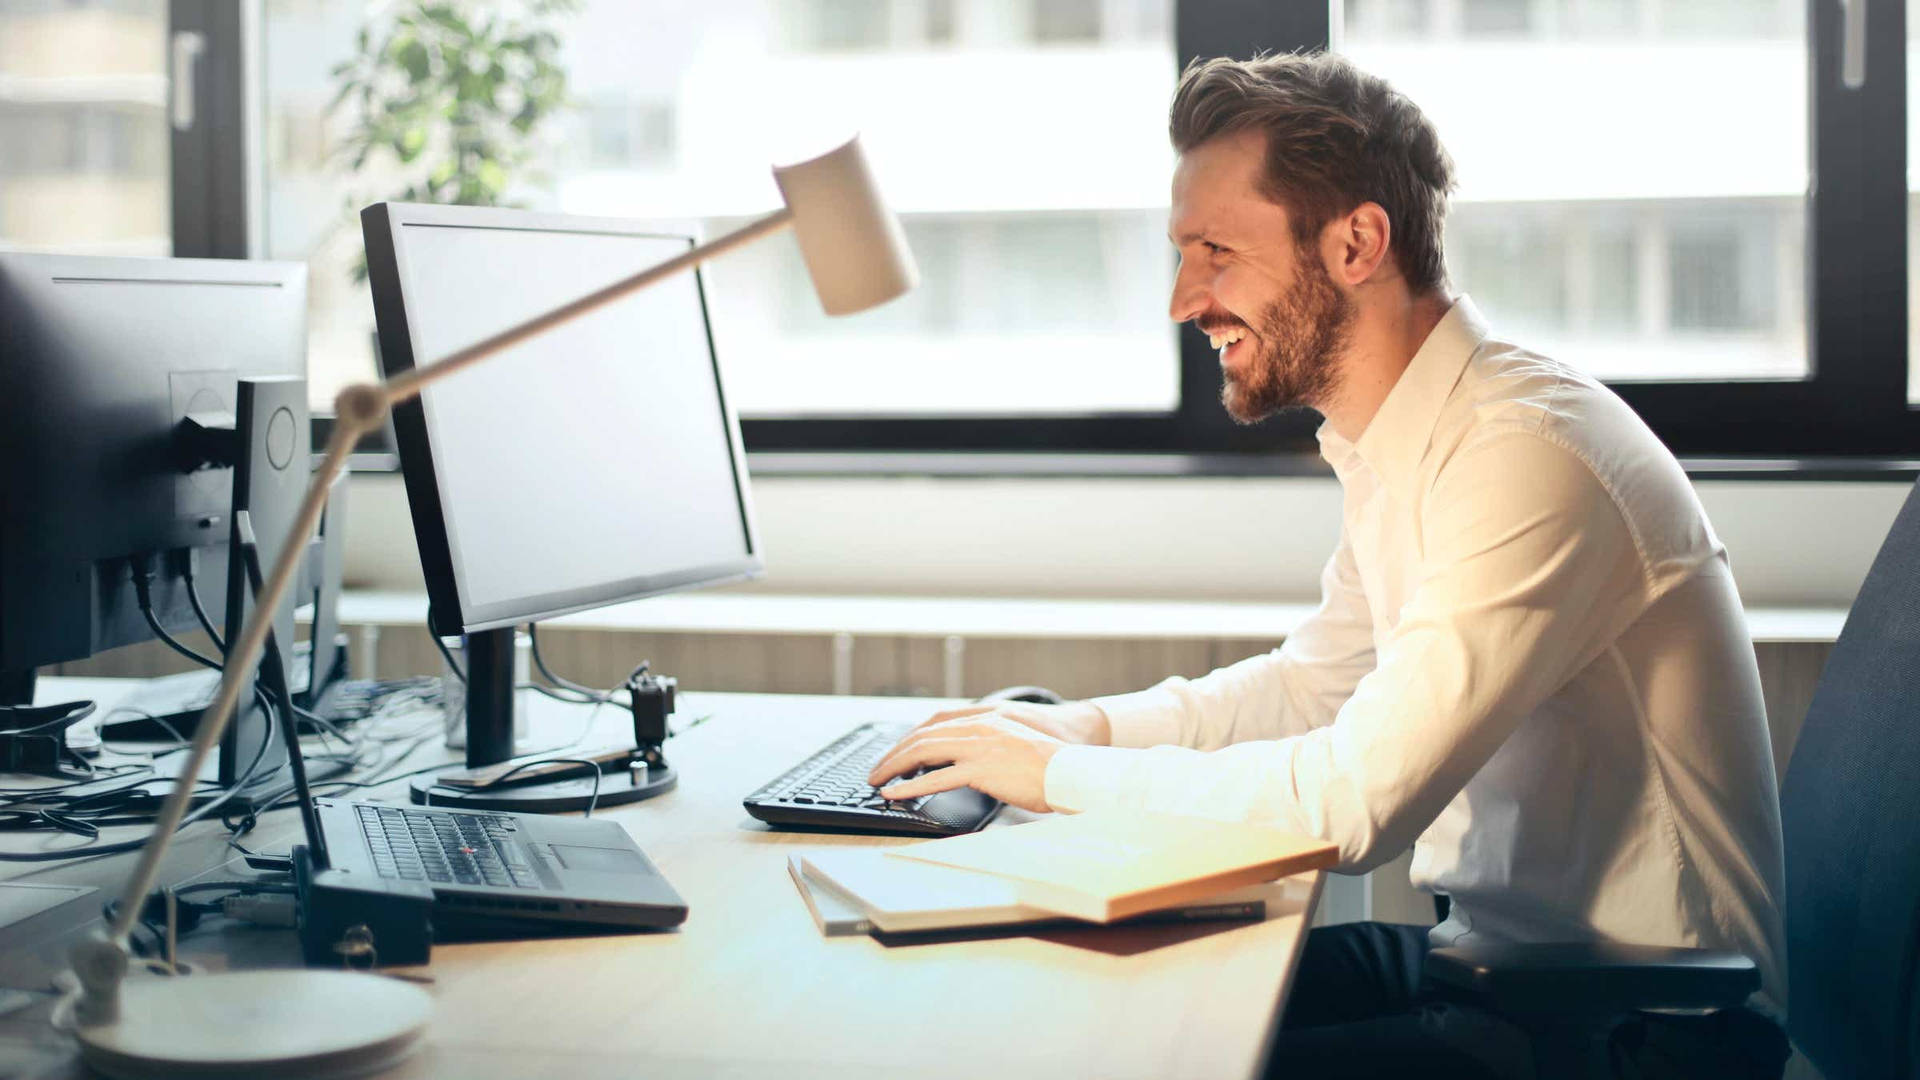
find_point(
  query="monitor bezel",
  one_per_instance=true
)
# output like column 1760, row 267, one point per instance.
column 387, row 274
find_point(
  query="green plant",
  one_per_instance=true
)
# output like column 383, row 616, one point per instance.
column 449, row 99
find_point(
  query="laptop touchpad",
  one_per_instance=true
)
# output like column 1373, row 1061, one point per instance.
column 601, row 860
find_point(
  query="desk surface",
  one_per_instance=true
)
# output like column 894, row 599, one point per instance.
column 749, row 988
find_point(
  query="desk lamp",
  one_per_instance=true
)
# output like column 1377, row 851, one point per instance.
column 309, row 1023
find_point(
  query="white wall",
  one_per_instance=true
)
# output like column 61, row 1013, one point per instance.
column 1225, row 538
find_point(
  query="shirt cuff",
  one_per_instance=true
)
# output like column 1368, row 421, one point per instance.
column 1081, row 778
column 1149, row 717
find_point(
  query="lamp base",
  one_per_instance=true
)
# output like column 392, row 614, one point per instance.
column 292, row 1024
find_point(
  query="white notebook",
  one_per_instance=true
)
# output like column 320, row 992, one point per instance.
column 900, row 896
column 835, row 915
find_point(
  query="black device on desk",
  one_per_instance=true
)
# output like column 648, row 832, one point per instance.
column 118, row 444
column 595, row 464
column 380, row 883
column 829, row 790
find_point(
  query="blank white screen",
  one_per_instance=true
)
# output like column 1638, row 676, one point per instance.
column 587, row 463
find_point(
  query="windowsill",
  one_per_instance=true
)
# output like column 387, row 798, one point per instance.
column 991, row 464
column 1142, row 466
column 980, row 617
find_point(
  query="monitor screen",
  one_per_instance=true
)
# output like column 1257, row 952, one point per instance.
column 594, row 463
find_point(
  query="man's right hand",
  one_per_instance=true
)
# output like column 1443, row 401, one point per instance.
column 1078, row 722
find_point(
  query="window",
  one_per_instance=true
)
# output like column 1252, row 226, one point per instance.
column 1684, row 196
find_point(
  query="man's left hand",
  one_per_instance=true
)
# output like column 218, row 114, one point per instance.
column 1001, row 758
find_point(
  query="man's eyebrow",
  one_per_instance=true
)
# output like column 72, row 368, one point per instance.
column 1186, row 238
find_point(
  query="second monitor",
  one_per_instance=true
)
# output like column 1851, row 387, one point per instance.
column 596, row 463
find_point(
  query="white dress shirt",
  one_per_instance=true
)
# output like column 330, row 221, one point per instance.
column 1529, row 662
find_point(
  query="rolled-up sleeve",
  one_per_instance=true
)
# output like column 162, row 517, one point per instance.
column 1528, row 570
column 1293, row 689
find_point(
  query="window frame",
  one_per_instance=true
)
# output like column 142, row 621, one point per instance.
column 213, row 163
column 1852, row 405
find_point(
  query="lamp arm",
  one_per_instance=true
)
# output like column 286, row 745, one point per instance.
column 100, row 961
column 243, row 654
column 408, row 383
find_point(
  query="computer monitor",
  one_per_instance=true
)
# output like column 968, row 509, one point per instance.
column 101, row 360
column 596, row 463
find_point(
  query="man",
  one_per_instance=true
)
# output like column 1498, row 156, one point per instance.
column 1529, row 662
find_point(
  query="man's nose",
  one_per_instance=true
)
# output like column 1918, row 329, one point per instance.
column 1190, row 294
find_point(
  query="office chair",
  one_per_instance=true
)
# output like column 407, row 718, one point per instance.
column 1850, row 811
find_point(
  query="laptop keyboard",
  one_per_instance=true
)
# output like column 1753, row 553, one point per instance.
column 446, row 847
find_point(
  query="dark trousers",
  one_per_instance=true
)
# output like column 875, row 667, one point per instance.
column 1359, row 1009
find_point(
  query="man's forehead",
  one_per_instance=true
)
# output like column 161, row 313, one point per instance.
column 1226, row 162
column 1216, row 184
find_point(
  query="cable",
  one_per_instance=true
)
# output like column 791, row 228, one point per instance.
column 71, row 712
column 326, row 727
column 587, row 693
column 191, row 912
column 143, row 591
column 452, row 664
column 540, row 664
column 130, row 710
column 90, row 850
column 199, row 609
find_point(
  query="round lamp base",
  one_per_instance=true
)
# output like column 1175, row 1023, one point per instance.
column 291, row 1024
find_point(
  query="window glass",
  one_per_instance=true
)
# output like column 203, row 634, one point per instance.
column 1633, row 173
column 1023, row 142
column 83, row 126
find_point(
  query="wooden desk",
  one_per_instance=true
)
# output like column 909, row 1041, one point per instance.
column 749, row 988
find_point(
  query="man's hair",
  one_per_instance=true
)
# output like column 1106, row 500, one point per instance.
column 1336, row 137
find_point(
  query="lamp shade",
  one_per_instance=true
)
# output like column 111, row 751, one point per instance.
column 852, row 244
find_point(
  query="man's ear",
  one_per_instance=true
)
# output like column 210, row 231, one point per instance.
column 1361, row 241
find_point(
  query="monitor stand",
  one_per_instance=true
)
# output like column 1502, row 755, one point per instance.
column 16, row 686
column 490, row 741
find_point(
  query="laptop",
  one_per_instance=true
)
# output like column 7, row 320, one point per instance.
column 501, row 875
column 493, row 874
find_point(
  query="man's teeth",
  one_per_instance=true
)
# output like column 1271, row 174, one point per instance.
column 1221, row 341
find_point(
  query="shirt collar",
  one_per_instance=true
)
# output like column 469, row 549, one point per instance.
column 1397, row 436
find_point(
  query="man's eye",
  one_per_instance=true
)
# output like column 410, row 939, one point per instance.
column 1213, row 248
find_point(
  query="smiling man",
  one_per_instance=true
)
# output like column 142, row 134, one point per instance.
column 1529, row 662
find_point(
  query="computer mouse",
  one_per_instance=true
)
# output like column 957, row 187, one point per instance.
column 1038, row 695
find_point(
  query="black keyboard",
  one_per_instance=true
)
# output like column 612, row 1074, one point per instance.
column 449, row 848
column 829, row 790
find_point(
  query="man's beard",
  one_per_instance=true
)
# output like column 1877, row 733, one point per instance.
column 1300, row 338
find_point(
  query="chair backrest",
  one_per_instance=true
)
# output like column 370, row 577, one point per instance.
column 1850, row 807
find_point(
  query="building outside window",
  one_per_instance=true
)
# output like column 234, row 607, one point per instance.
column 1633, row 173
column 83, row 126
column 1022, row 142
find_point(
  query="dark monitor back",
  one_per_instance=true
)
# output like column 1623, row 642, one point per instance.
column 101, row 358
